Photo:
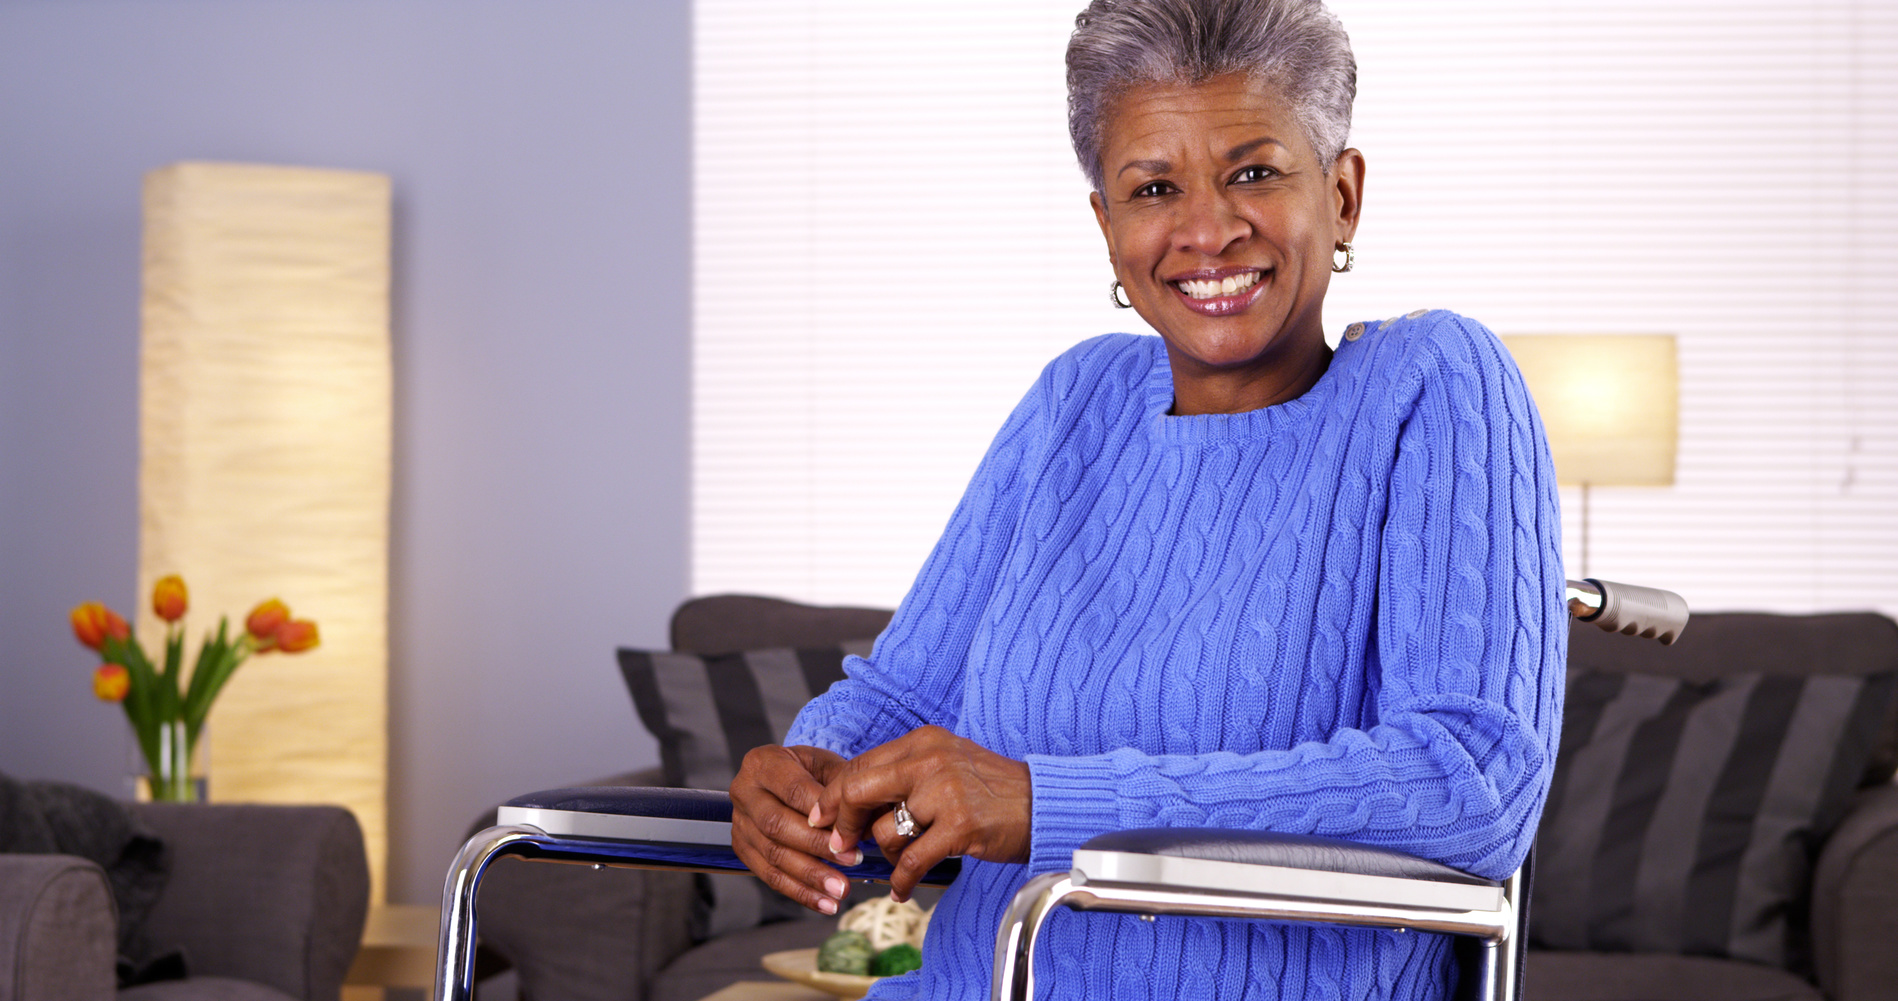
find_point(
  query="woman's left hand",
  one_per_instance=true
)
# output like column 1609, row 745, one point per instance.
column 967, row 800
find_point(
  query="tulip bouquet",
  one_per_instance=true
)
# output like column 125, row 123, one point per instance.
column 166, row 711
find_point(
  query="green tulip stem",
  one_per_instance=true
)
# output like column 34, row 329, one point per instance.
column 167, row 717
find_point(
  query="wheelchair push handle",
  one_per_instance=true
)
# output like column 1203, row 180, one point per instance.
column 1628, row 609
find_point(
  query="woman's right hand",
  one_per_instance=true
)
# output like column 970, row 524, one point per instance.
column 773, row 797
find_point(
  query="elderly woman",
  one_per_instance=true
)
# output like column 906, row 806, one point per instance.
column 1226, row 577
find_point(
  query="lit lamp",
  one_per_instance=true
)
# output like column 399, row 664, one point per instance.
column 265, row 460
column 1610, row 404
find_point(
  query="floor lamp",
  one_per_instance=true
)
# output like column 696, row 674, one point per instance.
column 1610, row 404
column 264, row 460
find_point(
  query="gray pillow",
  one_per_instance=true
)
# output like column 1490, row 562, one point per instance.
column 1686, row 816
column 707, row 712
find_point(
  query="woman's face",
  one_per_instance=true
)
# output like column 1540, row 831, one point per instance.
column 1220, row 223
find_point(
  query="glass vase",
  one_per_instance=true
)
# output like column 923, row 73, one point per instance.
column 171, row 778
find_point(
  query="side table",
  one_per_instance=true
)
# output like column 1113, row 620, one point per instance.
column 398, row 950
column 768, row 990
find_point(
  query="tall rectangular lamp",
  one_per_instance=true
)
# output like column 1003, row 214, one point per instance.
column 264, row 433
column 1610, row 404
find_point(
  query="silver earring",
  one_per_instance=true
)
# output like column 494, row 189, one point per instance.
column 1114, row 292
column 1350, row 258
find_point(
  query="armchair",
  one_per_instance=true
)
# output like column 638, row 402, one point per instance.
column 265, row 903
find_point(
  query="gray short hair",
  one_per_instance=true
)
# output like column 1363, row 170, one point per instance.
column 1295, row 45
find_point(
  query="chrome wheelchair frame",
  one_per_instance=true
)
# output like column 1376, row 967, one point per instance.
column 1257, row 875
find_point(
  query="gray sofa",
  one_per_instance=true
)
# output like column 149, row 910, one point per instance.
column 575, row 934
column 265, row 903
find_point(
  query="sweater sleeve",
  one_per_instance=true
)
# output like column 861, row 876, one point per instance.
column 1470, row 641
column 913, row 676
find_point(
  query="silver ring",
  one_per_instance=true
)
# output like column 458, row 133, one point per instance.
column 905, row 821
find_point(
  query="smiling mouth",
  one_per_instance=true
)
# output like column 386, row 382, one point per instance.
column 1216, row 288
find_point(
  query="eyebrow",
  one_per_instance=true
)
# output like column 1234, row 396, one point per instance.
column 1246, row 149
column 1238, row 152
column 1150, row 166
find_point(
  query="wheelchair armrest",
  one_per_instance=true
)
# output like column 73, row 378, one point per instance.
column 1260, row 875
column 1266, row 862
column 663, row 827
column 633, row 813
column 638, row 827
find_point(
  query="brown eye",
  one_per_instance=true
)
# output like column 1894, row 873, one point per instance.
column 1254, row 173
column 1153, row 189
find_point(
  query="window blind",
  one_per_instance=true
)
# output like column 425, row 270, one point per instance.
column 891, row 238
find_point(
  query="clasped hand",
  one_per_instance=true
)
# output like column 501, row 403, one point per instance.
column 794, row 808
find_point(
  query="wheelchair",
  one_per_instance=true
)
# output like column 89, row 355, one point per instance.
column 1191, row 872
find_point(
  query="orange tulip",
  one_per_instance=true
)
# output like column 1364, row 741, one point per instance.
column 296, row 636
column 265, row 620
column 170, row 599
column 93, row 623
column 110, row 683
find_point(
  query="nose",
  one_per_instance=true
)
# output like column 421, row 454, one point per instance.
column 1209, row 223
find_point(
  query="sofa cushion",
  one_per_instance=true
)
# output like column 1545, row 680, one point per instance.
column 204, row 989
column 1725, row 643
column 731, row 958
column 1686, row 814
column 1596, row 976
column 707, row 711
column 717, row 623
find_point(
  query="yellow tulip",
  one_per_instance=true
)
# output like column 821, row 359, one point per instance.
column 170, row 599
column 296, row 636
column 265, row 620
column 93, row 623
column 110, row 683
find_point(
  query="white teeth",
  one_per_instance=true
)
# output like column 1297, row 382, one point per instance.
column 1212, row 288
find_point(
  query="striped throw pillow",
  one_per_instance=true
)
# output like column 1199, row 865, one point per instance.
column 707, row 712
column 1686, row 816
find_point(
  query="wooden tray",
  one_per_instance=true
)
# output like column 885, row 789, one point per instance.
column 801, row 965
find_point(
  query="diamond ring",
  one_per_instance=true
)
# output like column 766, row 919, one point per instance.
column 905, row 821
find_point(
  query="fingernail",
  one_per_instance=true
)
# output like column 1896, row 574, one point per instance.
column 836, row 844
column 836, row 886
column 812, row 819
column 856, row 857
column 827, row 905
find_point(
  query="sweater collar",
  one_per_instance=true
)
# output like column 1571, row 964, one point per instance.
column 1245, row 426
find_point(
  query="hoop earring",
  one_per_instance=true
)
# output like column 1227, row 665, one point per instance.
column 1114, row 292
column 1350, row 258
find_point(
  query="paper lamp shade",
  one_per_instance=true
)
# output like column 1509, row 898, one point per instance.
column 264, row 461
column 1610, row 404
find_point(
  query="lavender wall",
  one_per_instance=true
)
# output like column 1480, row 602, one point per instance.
column 541, row 157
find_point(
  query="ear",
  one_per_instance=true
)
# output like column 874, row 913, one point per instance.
column 1347, row 192
column 1107, row 233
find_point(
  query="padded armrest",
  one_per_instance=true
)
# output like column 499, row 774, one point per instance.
column 1855, row 901
column 1214, row 872
column 1267, row 862
column 58, row 930
column 1293, row 851
column 274, row 894
column 677, row 828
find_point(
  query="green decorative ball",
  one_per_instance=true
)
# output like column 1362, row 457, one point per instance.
column 900, row 958
column 845, row 952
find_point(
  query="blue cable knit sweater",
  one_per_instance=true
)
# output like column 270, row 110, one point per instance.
column 1340, row 615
